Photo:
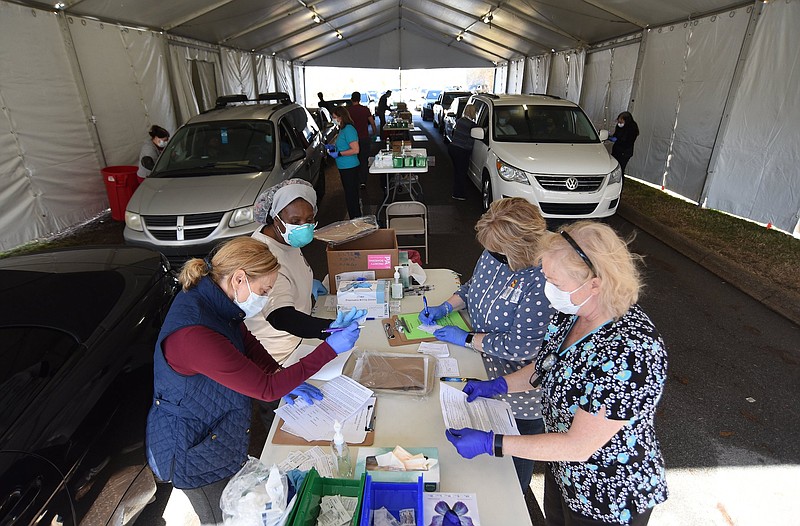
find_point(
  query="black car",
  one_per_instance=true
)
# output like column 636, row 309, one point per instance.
column 77, row 334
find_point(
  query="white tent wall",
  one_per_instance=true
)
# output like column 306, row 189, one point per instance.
column 607, row 83
column 501, row 78
column 125, row 75
column 188, row 57
column 756, row 174
column 537, row 73
column 49, row 166
column 685, row 78
column 566, row 74
column 516, row 76
column 237, row 73
column 283, row 75
column 299, row 72
column 265, row 74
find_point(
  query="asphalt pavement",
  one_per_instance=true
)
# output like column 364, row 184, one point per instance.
column 727, row 418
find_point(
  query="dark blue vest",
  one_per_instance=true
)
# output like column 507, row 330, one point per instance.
column 197, row 429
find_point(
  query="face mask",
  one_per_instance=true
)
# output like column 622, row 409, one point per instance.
column 560, row 300
column 621, row 124
column 502, row 121
column 502, row 258
column 253, row 304
column 161, row 143
column 298, row 235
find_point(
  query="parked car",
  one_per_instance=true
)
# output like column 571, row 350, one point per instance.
column 325, row 123
column 428, row 102
column 453, row 113
column 206, row 181
column 544, row 149
column 78, row 329
column 442, row 105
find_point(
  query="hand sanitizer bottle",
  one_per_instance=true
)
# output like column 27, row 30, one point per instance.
column 341, row 453
column 397, row 287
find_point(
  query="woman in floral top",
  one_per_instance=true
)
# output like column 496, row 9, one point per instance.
column 602, row 368
column 507, row 306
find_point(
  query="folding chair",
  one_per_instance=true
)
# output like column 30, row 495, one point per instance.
column 409, row 218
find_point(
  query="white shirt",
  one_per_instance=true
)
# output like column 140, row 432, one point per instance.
column 291, row 289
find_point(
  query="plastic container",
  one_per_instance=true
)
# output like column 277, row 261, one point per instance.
column 408, row 161
column 314, row 487
column 397, row 162
column 121, row 182
column 421, row 161
column 394, row 496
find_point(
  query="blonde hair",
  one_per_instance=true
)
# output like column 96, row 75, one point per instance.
column 514, row 227
column 254, row 257
column 615, row 265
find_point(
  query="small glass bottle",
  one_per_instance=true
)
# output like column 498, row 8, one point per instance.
column 341, row 453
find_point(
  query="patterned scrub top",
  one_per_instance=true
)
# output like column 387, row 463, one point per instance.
column 511, row 308
column 623, row 366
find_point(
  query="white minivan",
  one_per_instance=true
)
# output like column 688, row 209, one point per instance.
column 544, row 149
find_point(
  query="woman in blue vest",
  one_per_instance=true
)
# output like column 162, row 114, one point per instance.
column 208, row 366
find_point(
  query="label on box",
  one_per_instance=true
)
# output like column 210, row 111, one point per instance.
column 379, row 261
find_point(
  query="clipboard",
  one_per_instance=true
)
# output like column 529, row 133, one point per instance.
column 397, row 337
column 281, row 437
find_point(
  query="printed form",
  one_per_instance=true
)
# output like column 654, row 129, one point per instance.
column 486, row 414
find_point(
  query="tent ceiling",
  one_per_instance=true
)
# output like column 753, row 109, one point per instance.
column 285, row 27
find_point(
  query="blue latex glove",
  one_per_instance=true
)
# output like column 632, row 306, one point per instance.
column 318, row 289
column 330, row 147
column 485, row 388
column 345, row 339
column 612, row 139
column 435, row 313
column 451, row 334
column 306, row 391
column 333, row 153
column 471, row 442
column 345, row 318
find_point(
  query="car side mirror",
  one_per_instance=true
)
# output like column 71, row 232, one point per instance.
column 295, row 154
column 477, row 133
column 148, row 162
column 603, row 135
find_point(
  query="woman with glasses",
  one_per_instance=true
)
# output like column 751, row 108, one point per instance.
column 602, row 369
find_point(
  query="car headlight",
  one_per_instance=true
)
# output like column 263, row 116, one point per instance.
column 241, row 216
column 615, row 176
column 133, row 221
column 509, row 173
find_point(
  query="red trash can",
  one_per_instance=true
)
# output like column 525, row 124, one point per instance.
column 121, row 182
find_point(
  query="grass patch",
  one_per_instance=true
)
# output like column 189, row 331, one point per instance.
column 768, row 253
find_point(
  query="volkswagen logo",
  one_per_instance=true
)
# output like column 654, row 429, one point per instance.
column 571, row 183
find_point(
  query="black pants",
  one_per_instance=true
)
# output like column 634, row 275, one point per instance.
column 460, row 158
column 382, row 119
column 350, row 183
column 205, row 501
column 364, row 147
column 622, row 158
column 557, row 513
column 523, row 466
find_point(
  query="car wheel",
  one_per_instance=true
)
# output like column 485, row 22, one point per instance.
column 486, row 192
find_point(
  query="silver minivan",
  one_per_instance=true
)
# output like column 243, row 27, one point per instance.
column 203, row 187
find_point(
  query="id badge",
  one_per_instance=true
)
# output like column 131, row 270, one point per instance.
column 515, row 296
column 506, row 293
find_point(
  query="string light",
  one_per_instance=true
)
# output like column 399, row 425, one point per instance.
column 459, row 38
column 316, row 18
column 339, row 35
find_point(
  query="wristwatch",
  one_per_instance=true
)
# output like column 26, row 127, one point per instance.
column 498, row 445
column 468, row 341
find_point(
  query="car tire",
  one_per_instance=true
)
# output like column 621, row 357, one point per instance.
column 486, row 192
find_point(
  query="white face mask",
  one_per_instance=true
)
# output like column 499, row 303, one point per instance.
column 253, row 304
column 560, row 300
column 621, row 124
column 161, row 143
column 502, row 121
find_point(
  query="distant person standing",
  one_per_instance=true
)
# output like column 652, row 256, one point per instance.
column 460, row 150
column 345, row 151
column 625, row 135
column 362, row 120
column 383, row 107
column 322, row 102
column 151, row 149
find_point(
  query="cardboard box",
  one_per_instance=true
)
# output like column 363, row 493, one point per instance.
column 376, row 251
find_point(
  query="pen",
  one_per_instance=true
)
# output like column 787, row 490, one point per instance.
column 337, row 329
column 458, row 379
column 425, row 302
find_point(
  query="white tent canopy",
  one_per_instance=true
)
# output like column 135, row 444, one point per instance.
column 711, row 83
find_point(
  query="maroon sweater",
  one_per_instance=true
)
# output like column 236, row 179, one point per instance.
column 199, row 350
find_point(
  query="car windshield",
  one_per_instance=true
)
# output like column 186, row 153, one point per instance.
column 433, row 94
column 553, row 124
column 448, row 97
column 218, row 148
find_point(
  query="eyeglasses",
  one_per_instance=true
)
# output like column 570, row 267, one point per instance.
column 580, row 252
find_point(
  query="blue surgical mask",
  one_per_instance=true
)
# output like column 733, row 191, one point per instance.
column 254, row 303
column 298, row 236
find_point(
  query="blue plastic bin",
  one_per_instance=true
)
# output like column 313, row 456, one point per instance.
column 394, row 496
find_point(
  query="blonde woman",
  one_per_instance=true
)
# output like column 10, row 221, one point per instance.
column 506, row 303
column 208, row 366
column 602, row 370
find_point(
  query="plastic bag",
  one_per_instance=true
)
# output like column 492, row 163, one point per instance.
column 399, row 373
column 347, row 230
column 255, row 496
